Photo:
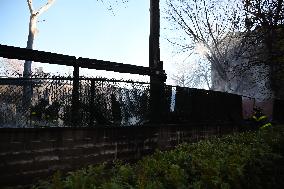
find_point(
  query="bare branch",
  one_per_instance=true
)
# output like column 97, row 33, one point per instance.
column 30, row 4
column 45, row 7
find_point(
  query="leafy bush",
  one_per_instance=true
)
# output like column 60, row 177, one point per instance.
column 241, row 160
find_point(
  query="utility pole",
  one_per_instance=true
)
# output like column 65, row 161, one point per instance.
column 158, row 77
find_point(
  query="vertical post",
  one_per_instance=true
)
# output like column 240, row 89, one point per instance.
column 154, row 39
column 75, row 96
column 92, row 97
column 157, row 77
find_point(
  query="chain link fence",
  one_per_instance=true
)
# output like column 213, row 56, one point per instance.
column 49, row 100
column 101, row 102
column 46, row 100
column 108, row 102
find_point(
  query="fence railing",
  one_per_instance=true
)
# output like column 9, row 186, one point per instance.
column 77, row 101
column 54, row 58
column 27, row 83
column 109, row 103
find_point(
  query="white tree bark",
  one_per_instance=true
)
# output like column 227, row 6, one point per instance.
column 34, row 15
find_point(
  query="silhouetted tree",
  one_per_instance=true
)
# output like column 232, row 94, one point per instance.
column 206, row 28
column 218, row 30
column 267, row 18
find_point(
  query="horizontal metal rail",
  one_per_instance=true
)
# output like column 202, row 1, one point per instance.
column 54, row 58
column 35, row 55
column 13, row 81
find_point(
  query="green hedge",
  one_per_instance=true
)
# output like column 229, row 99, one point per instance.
column 242, row 160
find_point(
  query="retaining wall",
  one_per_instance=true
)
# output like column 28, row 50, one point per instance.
column 29, row 154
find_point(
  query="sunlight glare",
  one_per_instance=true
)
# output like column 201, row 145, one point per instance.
column 201, row 49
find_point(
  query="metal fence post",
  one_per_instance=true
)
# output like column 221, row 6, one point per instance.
column 75, row 96
column 158, row 75
column 92, row 98
column 157, row 97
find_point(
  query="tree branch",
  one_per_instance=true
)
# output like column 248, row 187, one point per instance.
column 187, row 28
column 279, row 7
column 30, row 4
column 45, row 7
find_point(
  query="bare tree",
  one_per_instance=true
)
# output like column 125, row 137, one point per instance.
column 33, row 30
column 193, row 75
column 267, row 17
column 265, row 13
column 216, row 30
column 211, row 25
column 34, row 15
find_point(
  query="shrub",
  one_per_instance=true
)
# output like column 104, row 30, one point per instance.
column 240, row 160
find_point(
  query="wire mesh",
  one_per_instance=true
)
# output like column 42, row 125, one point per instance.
column 45, row 100
column 101, row 102
column 113, row 102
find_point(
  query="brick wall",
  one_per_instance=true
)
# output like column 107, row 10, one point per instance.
column 29, row 154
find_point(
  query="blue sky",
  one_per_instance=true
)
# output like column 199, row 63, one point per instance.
column 84, row 29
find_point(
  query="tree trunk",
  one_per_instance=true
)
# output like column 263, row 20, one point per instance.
column 28, row 85
column 30, row 42
column 28, row 90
